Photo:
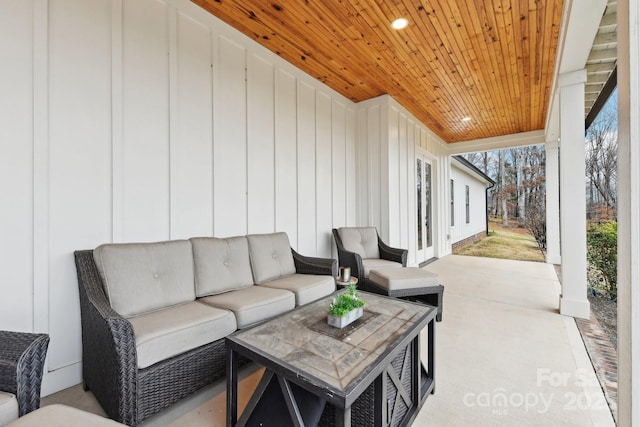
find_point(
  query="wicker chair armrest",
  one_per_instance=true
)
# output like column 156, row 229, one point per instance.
column 349, row 259
column 392, row 254
column 22, row 357
column 311, row 265
column 109, row 358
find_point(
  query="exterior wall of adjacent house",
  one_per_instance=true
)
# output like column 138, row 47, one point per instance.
column 475, row 223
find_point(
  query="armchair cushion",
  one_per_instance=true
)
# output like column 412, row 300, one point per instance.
column 8, row 408
column 254, row 304
column 271, row 256
column 142, row 277
column 306, row 287
column 361, row 240
column 174, row 330
column 378, row 264
column 221, row 265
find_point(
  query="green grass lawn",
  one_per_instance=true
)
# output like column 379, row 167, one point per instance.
column 506, row 243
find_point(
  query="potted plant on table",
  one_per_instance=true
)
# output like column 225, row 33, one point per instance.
column 346, row 308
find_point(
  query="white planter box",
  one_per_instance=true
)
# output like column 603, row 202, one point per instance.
column 341, row 322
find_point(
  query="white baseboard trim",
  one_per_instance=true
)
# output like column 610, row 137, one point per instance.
column 575, row 308
column 54, row 381
column 554, row 259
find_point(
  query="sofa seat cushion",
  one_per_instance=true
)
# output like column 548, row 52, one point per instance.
column 306, row 287
column 171, row 331
column 378, row 264
column 271, row 256
column 62, row 416
column 143, row 277
column 393, row 279
column 253, row 305
column 361, row 240
column 8, row 408
column 221, row 265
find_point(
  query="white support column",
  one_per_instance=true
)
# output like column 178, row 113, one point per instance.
column 628, row 213
column 553, row 202
column 573, row 300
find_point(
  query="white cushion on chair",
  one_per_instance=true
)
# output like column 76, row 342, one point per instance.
column 271, row 256
column 378, row 264
column 171, row 331
column 8, row 408
column 306, row 287
column 221, row 265
column 404, row 278
column 143, row 277
column 361, row 240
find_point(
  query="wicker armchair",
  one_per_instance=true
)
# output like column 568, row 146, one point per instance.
column 22, row 358
column 349, row 257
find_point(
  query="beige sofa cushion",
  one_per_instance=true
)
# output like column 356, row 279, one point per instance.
column 378, row 264
column 221, row 265
column 271, row 256
column 143, row 277
column 404, row 278
column 361, row 240
column 306, row 287
column 8, row 408
column 174, row 330
column 62, row 416
column 253, row 305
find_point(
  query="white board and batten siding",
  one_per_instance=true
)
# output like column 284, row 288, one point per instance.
column 148, row 120
column 463, row 177
column 389, row 139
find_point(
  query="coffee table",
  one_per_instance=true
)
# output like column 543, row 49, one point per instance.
column 368, row 373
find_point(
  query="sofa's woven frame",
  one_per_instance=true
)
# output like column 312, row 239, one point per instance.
column 310, row 265
column 109, row 366
column 22, row 357
column 354, row 260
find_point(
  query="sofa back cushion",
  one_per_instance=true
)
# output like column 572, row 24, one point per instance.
column 143, row 277
column 361, row 240
column 221, row 265
column 271, row 256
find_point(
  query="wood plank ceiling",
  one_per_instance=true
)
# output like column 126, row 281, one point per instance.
column 489, row 60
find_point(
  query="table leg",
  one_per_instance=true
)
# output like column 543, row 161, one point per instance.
column 432, row 353
column 232, row 387
column 343, row 417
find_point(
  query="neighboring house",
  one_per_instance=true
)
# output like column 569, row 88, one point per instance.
column 468, row 202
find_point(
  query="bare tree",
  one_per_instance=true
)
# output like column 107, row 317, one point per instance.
column 503, row 180
column 601, row 161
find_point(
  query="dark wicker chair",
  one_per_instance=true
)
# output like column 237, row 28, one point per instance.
column 109, row 361
column 22, row 358
column 354, row 261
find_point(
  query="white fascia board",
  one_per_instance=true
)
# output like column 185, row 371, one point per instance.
column 513, row 140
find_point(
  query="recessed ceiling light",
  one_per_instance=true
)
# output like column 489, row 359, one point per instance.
column 466, row 119
column 399, row 23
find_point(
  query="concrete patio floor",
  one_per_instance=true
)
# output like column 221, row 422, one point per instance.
column 504, row 357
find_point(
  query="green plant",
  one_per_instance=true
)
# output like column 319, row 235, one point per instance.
column 346, row 302
column 602, row 252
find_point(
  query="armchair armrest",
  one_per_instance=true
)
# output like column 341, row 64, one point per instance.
column 109, row 358
column 392, row 254
column 22, row 357
column 311, row 265
column 349, row 259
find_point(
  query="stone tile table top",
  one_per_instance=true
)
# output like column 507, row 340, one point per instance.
column 304, row 345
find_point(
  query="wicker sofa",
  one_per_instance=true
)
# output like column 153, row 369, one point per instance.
column 155, row 315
